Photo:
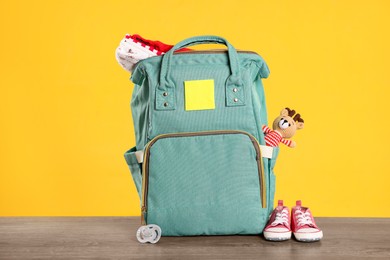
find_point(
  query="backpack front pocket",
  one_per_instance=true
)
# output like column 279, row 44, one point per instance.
column 204, row 183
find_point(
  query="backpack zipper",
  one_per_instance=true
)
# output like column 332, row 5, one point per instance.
column 145, row 165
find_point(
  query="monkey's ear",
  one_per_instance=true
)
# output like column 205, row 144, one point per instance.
column 300, row 125
column 284, row 112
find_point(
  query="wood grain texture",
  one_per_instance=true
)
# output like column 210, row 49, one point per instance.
column 114, row 238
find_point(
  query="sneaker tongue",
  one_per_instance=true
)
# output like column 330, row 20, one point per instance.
column 279, row 209
column 303, row 209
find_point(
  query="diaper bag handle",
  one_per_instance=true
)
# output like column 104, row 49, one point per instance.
column 166, row 89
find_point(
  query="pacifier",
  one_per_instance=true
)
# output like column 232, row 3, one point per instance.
column 149, row 234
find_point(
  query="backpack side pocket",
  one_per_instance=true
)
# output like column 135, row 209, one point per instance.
column 272, row 177
column 135, row 168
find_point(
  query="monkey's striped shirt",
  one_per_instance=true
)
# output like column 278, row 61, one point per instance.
column 273, row 138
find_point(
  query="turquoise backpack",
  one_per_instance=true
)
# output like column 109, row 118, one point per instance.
column 200, row 164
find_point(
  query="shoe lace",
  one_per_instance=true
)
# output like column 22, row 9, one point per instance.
column 303, row 218
column 281, row 218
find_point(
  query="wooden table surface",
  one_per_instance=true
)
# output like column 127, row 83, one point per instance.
column 114, row 238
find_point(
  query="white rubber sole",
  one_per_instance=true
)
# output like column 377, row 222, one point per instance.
column 308, row 237
column 277, row 236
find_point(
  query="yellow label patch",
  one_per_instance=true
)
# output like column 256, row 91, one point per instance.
column 199, row 94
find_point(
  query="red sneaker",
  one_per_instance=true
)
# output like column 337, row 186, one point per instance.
column 278, row 226
column 303, row 225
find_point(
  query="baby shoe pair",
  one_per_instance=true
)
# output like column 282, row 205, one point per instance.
column 301, row 224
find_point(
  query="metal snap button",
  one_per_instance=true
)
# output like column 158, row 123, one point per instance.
column 165, row 94
column 235, row 100
column 165, row 104
column 235, row 90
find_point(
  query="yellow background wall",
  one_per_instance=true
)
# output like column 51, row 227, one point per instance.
column 64, row 100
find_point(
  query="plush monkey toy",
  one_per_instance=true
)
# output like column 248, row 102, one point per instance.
column 284, row 127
